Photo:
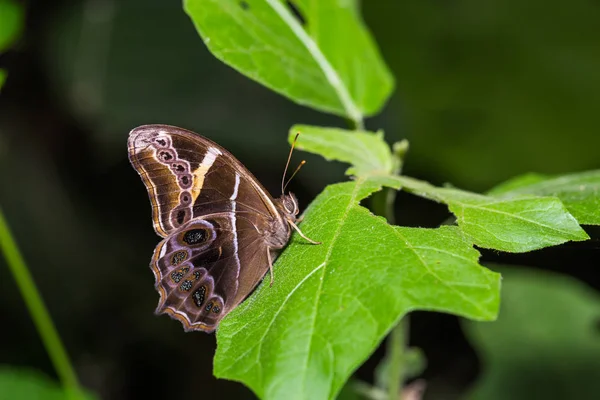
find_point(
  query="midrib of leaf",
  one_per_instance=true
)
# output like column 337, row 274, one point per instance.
column 330, row 73
column 334, row 238
column 511, row 215
column 429, row 191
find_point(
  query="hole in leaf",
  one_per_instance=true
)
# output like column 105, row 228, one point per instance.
column 244, row 5
column 296, row 11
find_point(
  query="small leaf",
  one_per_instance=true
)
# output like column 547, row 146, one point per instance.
column 366, row 151
column 25, row 384
column 579, row 192
column 328, row 61
column 514, row 225
column 545, row 343
column 2, row 77
column 332, row 304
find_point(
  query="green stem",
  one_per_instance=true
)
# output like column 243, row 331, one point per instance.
column 395, row 348
column 38, row 311
column 382, row 203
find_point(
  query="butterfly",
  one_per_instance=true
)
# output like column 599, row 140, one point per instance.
column 221, row 228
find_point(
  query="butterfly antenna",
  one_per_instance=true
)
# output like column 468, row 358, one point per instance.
column 287, row 164
column 294, row 174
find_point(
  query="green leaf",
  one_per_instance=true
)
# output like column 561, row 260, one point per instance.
column 579, row 192
column 25, row 384
column 514, row 225
column 11, row 22
column 366, row 151
column 332, row 304
column 545, row 343
column 2, row 77
column 331, row 64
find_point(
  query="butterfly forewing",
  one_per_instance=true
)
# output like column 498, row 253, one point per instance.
column 218, row 222
column 187, row 176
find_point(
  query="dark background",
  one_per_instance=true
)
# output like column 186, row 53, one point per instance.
column 484, row 92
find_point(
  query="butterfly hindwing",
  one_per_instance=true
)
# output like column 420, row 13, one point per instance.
column 199, row 273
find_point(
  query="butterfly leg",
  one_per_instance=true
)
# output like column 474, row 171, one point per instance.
column 270, row 266
column 293, row 225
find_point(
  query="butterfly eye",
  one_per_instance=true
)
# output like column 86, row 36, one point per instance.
column 290, row 204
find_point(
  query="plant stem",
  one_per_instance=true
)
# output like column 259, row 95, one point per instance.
column 395, row 349
column 38, row 311
column 382, row 203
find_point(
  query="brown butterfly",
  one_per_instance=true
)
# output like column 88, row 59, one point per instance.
column 221, row 228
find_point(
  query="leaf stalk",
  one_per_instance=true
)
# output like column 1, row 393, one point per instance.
column 38, row 311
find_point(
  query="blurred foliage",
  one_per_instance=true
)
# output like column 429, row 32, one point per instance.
column 11, row 22
column 11, row 25
column 22, row 384
column 545, row 343
column 488, row 90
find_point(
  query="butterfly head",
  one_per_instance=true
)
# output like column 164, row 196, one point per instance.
column 289, row 204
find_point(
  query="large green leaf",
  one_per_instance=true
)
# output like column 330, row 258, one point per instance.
column 579, row 192
column 329, row 63
column 545, row 343
column 332, row 304
column 24, row 384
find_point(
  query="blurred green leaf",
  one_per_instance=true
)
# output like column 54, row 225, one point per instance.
column 515, row 225
column 11, row 25
column 11, row 22
column 329, row 62
column 579, row 192
column 366, row 151
column 25, row 384
column 332, row 304
column 487, row 96
column 545, row 343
